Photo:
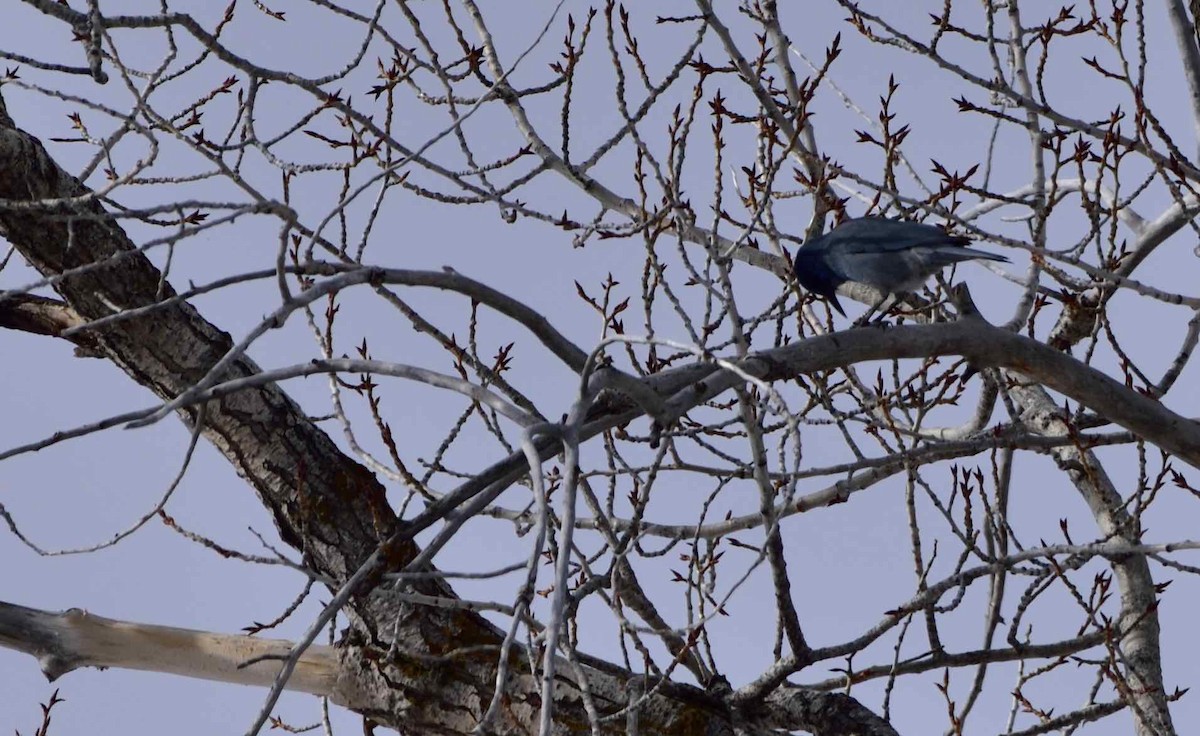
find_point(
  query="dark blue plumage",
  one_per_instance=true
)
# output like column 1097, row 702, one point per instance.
column 893, row 256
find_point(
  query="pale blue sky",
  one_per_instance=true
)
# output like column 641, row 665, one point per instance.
column 849, row 563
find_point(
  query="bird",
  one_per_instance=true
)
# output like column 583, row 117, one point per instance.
column 893, row 256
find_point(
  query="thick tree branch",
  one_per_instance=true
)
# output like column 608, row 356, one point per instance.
column 67, row 641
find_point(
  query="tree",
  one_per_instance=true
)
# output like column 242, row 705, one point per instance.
column 664, row 466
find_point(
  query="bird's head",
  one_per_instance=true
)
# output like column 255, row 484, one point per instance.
column 814, row 274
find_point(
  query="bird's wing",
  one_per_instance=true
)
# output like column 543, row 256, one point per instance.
column 879, row 234
column 893, row 255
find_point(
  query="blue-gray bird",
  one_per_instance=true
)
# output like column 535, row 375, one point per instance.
column 893, row 256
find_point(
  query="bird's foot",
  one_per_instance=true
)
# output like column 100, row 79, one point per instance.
column 878, row 321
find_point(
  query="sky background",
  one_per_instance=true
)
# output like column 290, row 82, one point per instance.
column 851, row 562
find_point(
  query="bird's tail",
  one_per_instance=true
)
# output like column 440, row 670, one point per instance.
column 949, row 254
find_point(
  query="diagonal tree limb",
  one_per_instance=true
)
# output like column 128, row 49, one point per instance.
column 1141, row 647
